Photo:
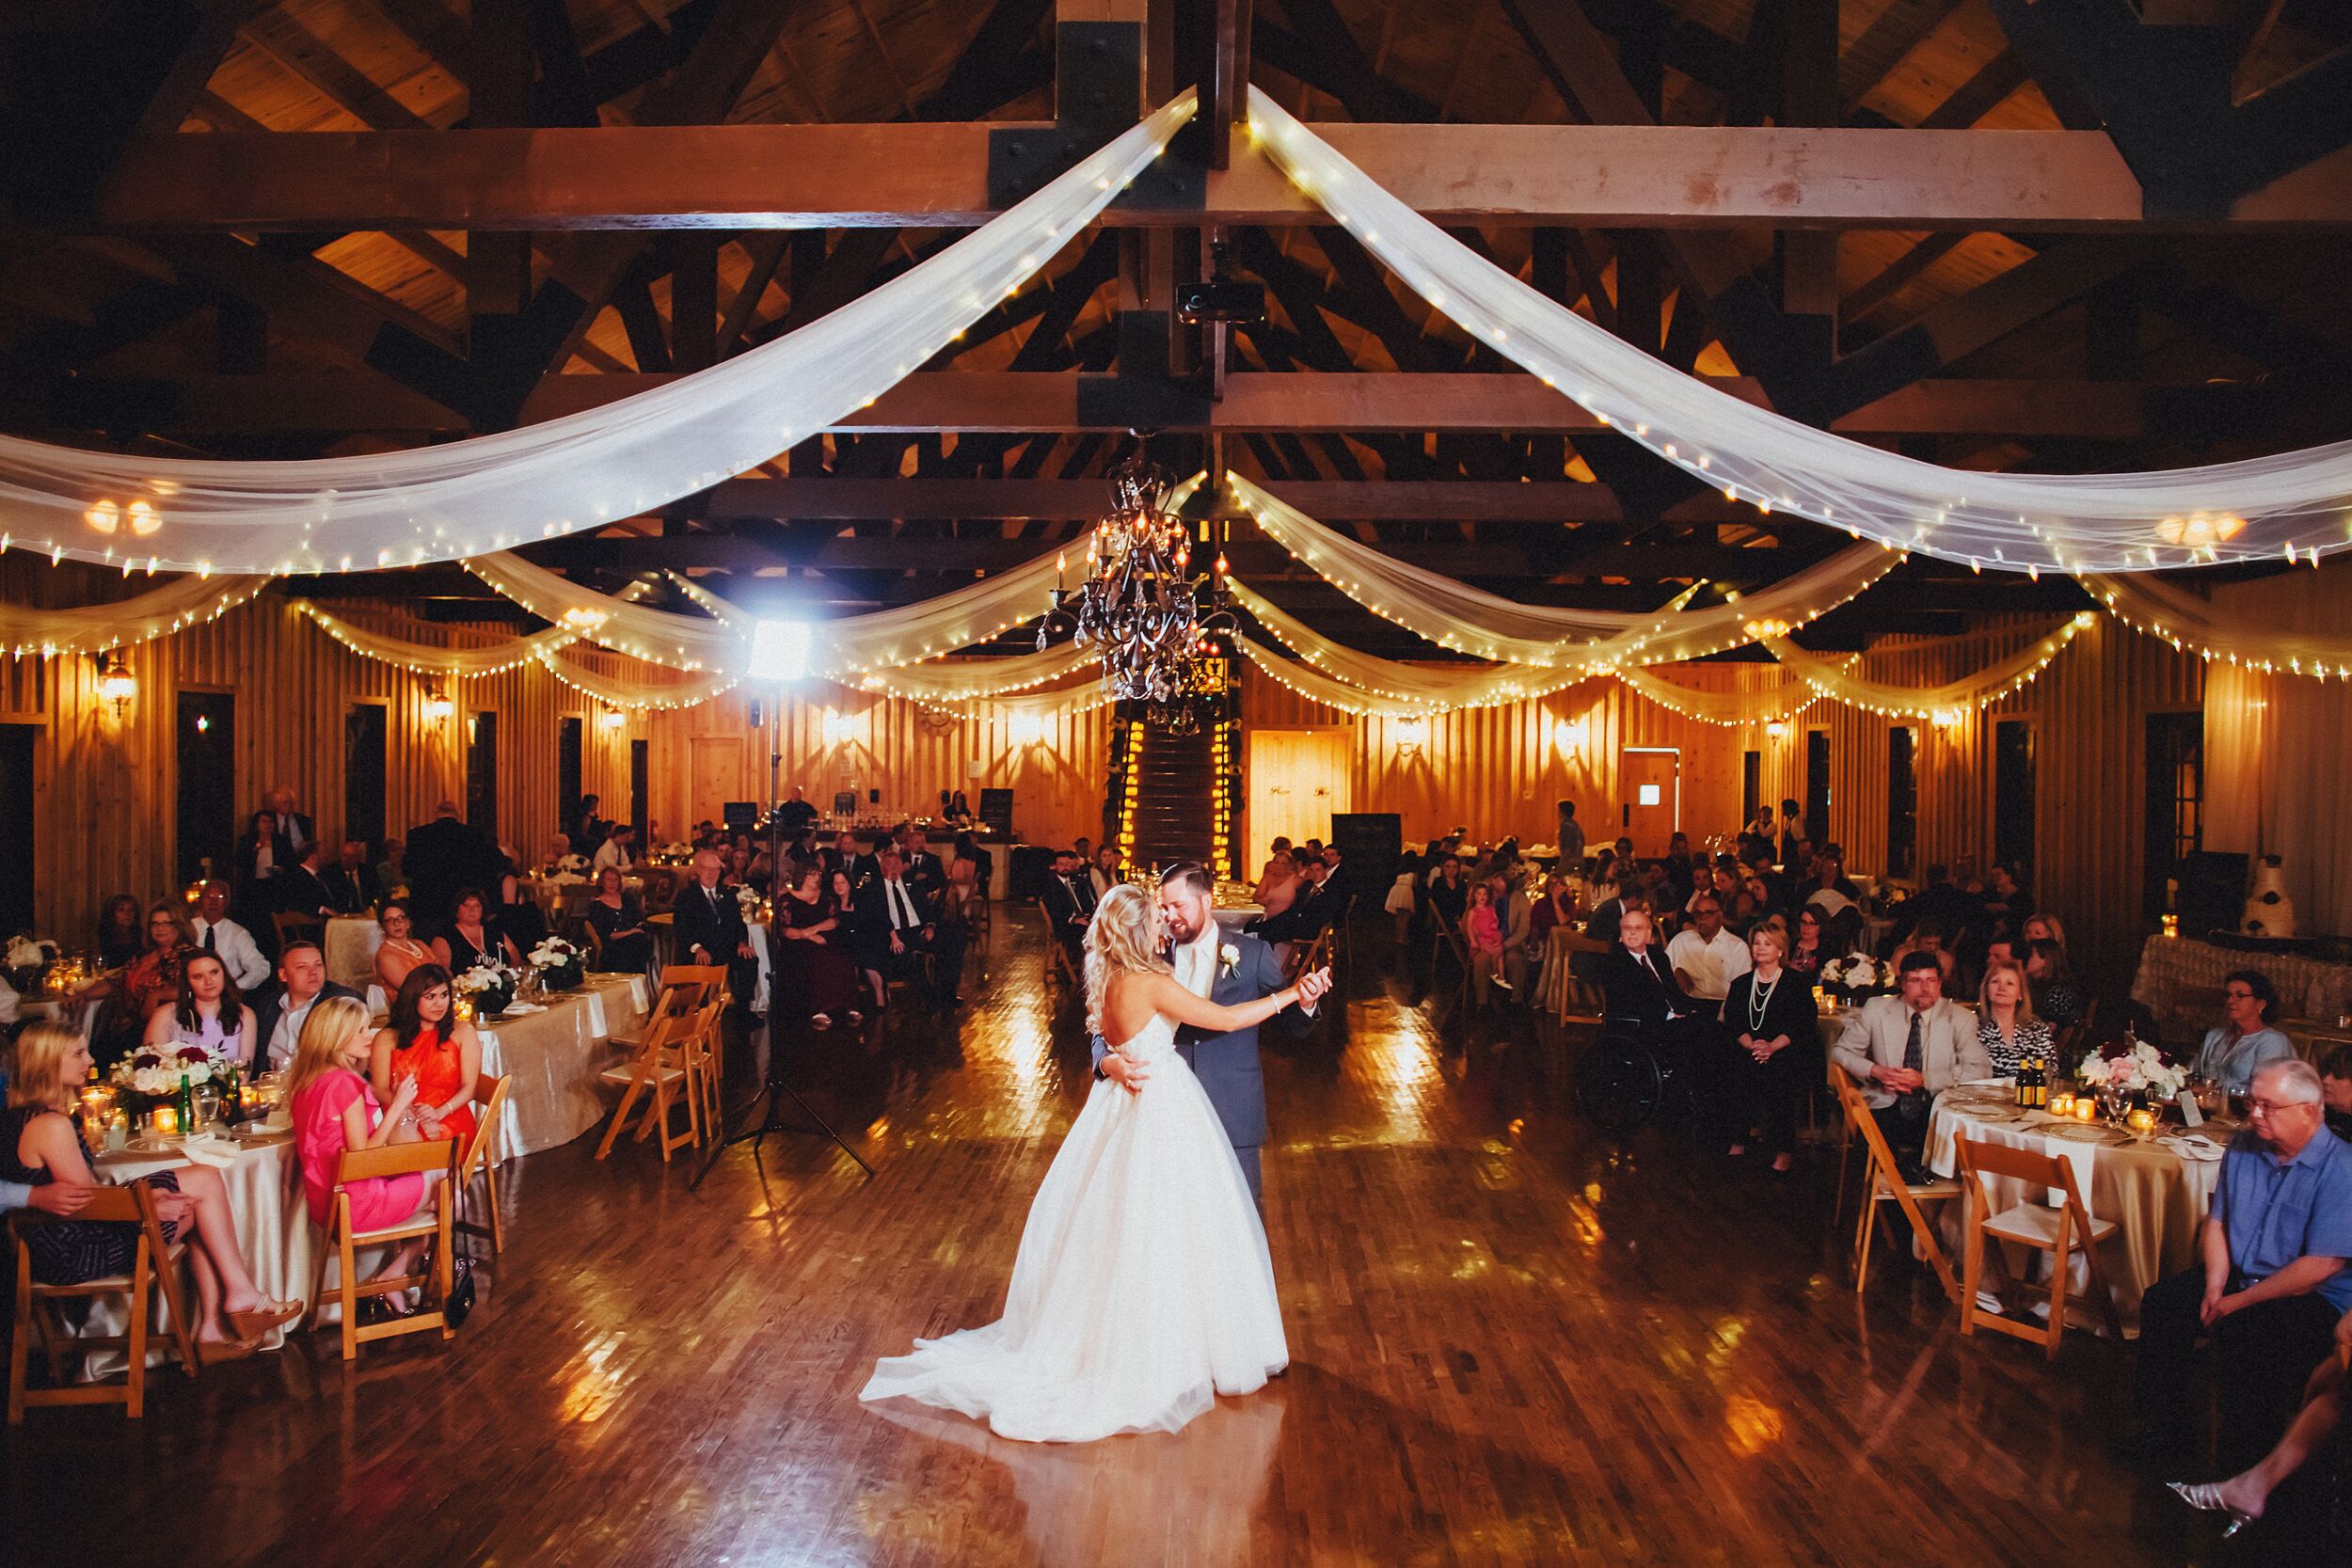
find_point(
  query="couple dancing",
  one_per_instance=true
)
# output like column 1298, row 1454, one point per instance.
column 1143, row 1288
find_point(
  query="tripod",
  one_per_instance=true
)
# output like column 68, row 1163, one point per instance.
column 773, row 1118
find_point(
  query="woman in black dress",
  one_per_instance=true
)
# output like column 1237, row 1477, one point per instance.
column 813, row 954
column 473, row 940
column 619, row 919
column 121, row 934
column 1777, row 1046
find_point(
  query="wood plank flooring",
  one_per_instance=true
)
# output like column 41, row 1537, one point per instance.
column 1514, row 1343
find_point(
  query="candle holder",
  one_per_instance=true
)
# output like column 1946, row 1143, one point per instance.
column 2171, row 925
column 2141, row 1120
column 2062, row 1103
column 165, row 1121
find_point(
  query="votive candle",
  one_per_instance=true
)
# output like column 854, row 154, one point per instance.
column 2086, row 1109
column 167, row 1122
column 2061, row 1103
column 2141, row 1120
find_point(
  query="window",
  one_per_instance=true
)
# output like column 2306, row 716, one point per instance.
column 640, row 765
column 1751, row 786
column 1650, row 796
column 1902, row 802
column 1817, row 786
column 2014, row 793
column 482, row 772
column 566, row 772
column 206, row 745
column 364, row 773
column 2175, row 804
column 17, row 744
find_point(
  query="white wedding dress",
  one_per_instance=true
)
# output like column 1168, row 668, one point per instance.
column 1142, row 1289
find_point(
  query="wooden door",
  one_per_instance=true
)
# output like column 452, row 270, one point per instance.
column 714, row 777
column 1650, row 799
column 1298, row 779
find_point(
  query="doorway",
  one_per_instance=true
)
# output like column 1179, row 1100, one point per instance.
column 1817, row 786
column 640, row 770
column 1649, row 809
column 482, row 772
column 568, row 784
column 1902, row 801
column 714, row 776
column 2176, row 805
column 205, row 744
column 363, row 774
column 18, row 743
column 2013, row 795
column 1297, row 780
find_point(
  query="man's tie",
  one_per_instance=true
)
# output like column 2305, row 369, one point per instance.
column 1915, row 1049
column 210, row 945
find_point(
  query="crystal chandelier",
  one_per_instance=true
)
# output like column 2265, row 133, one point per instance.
column 1139, row 602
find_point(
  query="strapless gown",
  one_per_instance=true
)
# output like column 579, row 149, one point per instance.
column 1142, row 1289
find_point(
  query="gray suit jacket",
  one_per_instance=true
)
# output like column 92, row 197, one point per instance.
column 1880, row 1032
column 1227, row 1065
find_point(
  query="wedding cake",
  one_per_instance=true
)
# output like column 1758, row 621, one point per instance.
column 2270, row 912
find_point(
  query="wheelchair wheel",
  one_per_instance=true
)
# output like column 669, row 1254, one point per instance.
column 1620, row 1085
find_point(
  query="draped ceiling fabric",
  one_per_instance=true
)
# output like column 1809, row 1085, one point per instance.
column 1421, row 687
column 2253, row 639
column 944, row 685
column 178, row 604
column 2289, row 506
column 655, row 636
column 468, row 499
column 1771, row 705
column 425, row 659
column 1833, row 680
column 638, row 691
column 1469, row 620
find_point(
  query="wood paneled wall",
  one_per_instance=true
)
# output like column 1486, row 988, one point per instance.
column 1499, row 771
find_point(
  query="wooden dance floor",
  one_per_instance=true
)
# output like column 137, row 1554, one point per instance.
column 1512, row 1343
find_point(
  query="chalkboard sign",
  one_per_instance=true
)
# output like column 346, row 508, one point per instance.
column 742, row 816
column 997, row 809
column 1369, row 842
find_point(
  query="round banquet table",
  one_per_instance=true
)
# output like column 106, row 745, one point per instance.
column 2156, row 1190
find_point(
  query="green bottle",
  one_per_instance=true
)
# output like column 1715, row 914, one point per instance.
column 187, row 1101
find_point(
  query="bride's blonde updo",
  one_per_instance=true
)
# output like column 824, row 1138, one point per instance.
column 1125, row 934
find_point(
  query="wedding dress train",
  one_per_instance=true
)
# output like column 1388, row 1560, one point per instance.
column 1143, row 1289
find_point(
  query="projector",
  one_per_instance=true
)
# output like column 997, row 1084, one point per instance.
column 1220, row 299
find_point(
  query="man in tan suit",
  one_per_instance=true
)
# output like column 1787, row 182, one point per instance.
column 1905, row 1050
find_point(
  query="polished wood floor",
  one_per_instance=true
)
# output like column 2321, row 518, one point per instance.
column 1514, row 1343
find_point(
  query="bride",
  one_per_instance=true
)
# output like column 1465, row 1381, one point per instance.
column 1143, row 1289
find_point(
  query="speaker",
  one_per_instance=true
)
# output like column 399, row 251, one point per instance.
column 2211, row 895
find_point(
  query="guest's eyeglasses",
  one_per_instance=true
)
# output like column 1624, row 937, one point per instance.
column 2239, row 994
column 2272, row 1107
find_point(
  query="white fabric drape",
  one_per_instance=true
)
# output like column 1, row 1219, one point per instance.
column 1773, row 704
column 1313, row 685
column 2253, row 639
column 639, row 691
column 944, row 685
column 1421, row 687
column 609, row 621
column 178, row 604
column 467, row 499
column 1833, row 678
column 426, row 659
column 2262, row 507
column 1469, row 620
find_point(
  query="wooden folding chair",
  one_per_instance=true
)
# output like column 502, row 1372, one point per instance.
column 345, row 1243
column 2058, row 1230
column 1888, row 1186
column 153, row 1263
column 703, row 1054
column 659, row 1069
column 1580, row 1000
column 1307, row 960
column 297, row 927
column 591, row 943
column 481, row 1159
column 1057, row 956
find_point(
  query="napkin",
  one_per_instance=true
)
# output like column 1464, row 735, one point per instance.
column 209, row 1149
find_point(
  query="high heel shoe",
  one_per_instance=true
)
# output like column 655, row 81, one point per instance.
column 2205, row 1496
column 260, row 1320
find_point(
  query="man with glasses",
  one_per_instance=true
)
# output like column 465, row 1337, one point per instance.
column 2271, row 1281
column 1706, row 957
column 2233, row 1053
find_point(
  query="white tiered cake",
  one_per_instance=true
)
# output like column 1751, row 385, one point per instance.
column 2270, row 912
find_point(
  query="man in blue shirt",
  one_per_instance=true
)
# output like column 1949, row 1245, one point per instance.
column 2271, row 1282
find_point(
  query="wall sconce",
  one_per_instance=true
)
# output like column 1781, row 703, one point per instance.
column 1569, row 735
column 116, row 683
column 1777, row 728
column 438, row 708
column 1411, row 734
column 612, row 719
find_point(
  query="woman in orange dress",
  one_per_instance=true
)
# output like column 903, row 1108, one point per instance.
column 443, row 1055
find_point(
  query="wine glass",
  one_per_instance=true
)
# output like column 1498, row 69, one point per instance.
column 206, row 1097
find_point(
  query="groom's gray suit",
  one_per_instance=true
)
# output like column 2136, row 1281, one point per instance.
column 1227, row 1065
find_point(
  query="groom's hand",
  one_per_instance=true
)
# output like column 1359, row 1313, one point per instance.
column 1127, row 1073
column 1313, row 988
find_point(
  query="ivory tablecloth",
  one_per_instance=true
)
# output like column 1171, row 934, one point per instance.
column 2156, row 1198
column 2169, row 966
column 351, row 943
column 551, row 1059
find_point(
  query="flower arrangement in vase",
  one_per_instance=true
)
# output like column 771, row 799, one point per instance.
column 558, row 965
column 28, row 958
column 1858, row 976
column 489, row 988
column 2131, row 1074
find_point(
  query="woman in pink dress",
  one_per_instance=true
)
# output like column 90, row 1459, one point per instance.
column 334, row 1109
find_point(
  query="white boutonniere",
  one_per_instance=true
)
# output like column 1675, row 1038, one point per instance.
column 1228, row 960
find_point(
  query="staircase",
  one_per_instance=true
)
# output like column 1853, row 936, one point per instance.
column 1174, row 782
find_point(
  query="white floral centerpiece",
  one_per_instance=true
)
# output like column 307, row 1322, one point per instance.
column 2141, row 1068
column 673, row 853
column 558, row 965
column 569, row 870
column 1857, row 974
column 29, row 958
column 755, row 908
column 488, row 987
column 156, row 1070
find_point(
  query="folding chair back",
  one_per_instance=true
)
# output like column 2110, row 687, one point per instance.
column 1057, row 956
column 2058, row 1230
column 297, row 927
column 710, row 977
column 1886, row 1185
column 656, row 1070
column 39, row 1309
column 345, row 1243
column 481, row 1157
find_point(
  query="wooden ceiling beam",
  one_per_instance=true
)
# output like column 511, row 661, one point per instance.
column 921, row 174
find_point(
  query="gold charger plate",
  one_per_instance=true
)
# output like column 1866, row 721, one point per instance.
column 2087, row 1132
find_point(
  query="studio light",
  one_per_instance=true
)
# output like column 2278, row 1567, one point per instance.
column 779, row 651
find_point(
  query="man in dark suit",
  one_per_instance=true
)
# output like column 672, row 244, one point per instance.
column 897, row 918
column 923, row 869
column 351, row 881
column 1314, row 908
column 1069, row 904
column 710, row 926
column 442, row 856
column 294, row 830
column 1641, row 991
column 1227, row 1065
column 282, row 1010
column 302, row 890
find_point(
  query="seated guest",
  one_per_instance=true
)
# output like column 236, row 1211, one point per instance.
column 1641, row 991
column 2245, row 1496
column 1069, row 905
column 119, row 938
column 351, row 881
column 150, row 981
column 1102, row 875
column 440, row 1053
column 619, row 919
column 2006, row 1026
column 1555, row 908
column 708, row 924
column 473, row 940
column 334, row 1108
column 1776, row 1040
column 924, row 869
column 1705, row 957
column 282, row 1010
column 1278, row 889
column 1940, row 903
column 1481, row 938
column 1928, row 941
column 2007, row 904
column 619, row 849
column 964, row 884
column 302, row 887
column 400, row 951
column 1811, row 945
column 1315, row 906
column 842, row 855
column 1083, row 852
column 2057, row 999
column 1905, row 1050
column 2335, row 1085
column 1278, row 866
column 2042, row 927
column 898, row 921
column 209, row 1012
column 39, row 1147
column 391, row 877
column 214, row 932
column 2244, row 1041
column 2270, row 1282
column 816, row 974
column 518, row 914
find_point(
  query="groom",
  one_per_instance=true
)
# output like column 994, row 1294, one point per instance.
column 1228, row 971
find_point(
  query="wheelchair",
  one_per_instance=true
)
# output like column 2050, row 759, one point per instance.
column 1631, row 1077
